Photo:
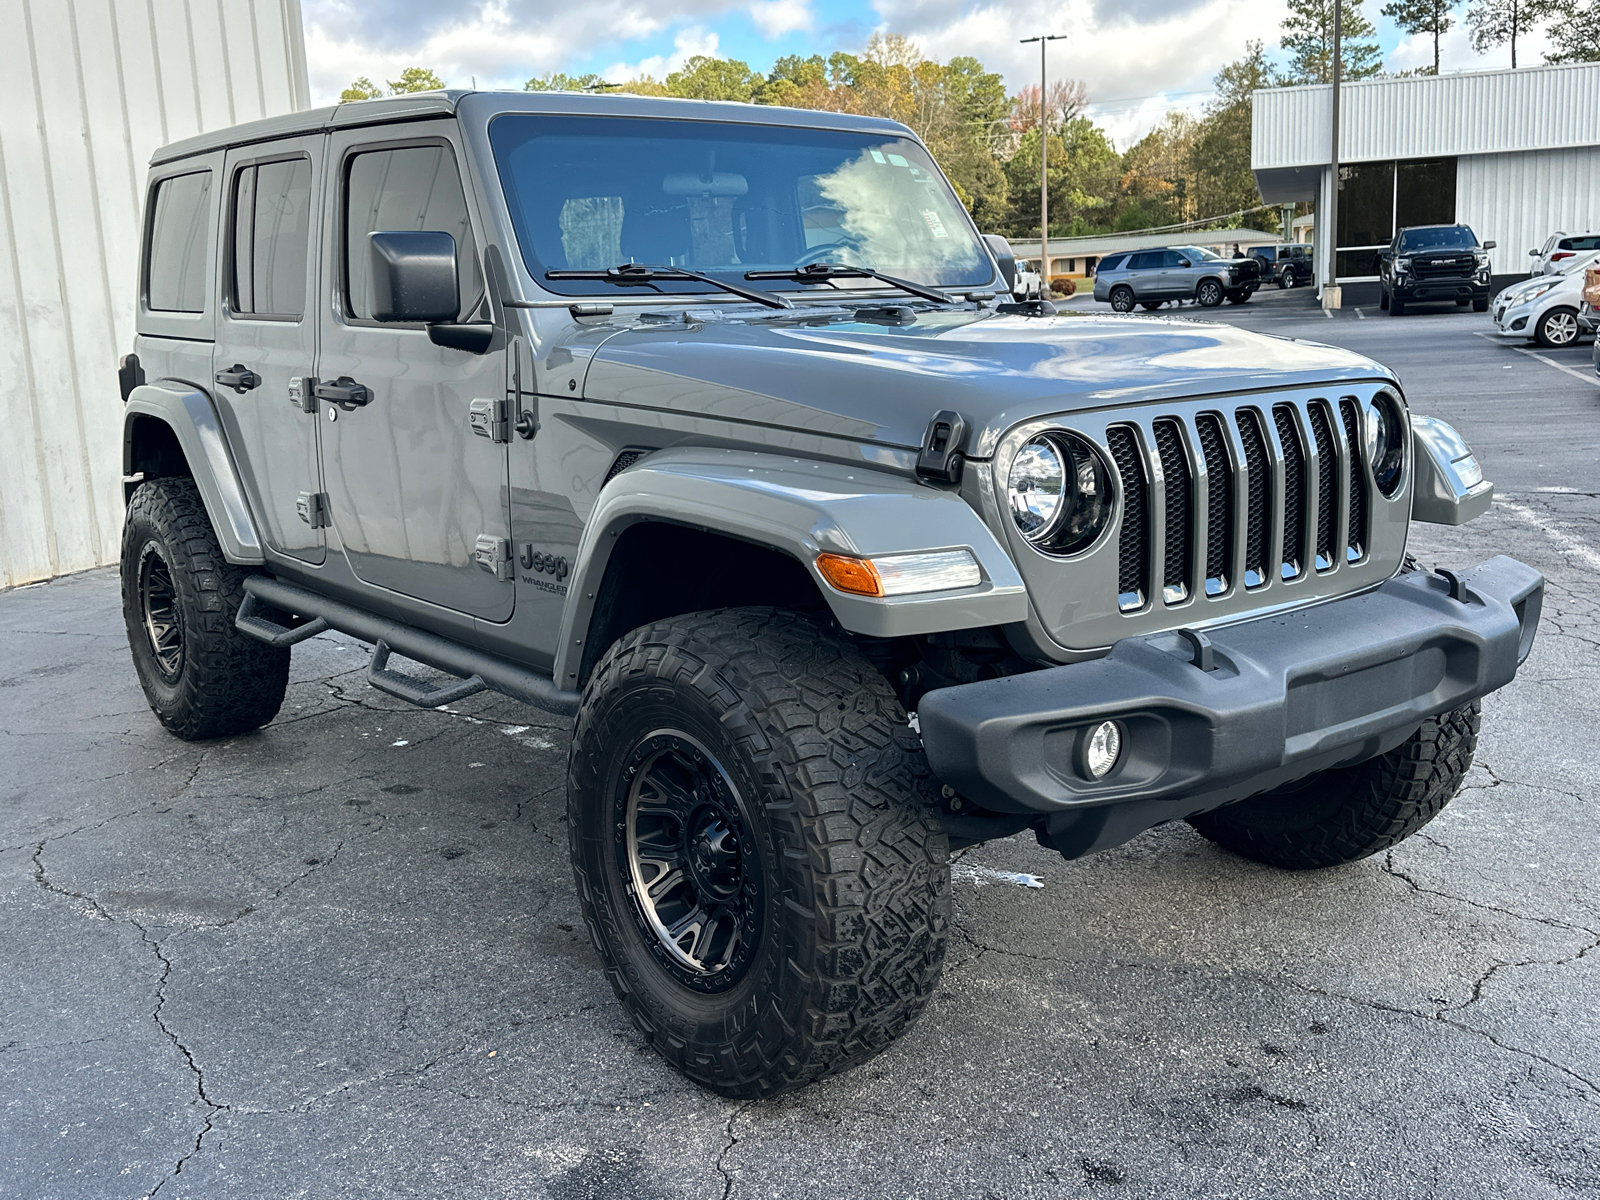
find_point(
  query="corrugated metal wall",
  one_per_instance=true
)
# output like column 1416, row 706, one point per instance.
column 1518, row 200
column 1482, row 112
column 92, row 88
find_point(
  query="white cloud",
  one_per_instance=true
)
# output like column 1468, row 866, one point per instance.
column 774, row 18
column 685, row 46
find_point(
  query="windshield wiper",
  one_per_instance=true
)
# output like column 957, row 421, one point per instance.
column 823, row 272
column 637, row 273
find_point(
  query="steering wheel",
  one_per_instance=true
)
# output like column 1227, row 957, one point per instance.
column 826, row 251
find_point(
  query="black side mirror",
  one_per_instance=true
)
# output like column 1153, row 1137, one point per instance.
column 413, row 276
column 1184, row 262
column 1001, row 249
column 1490, row 245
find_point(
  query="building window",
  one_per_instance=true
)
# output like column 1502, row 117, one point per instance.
column 1377, row 199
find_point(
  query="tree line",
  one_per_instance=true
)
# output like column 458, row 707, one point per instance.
column 1189, row 168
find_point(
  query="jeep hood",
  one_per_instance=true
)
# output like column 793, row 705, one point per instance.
column 881, row 383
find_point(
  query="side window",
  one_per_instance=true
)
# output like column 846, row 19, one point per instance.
column 271, row 233
column 1144, row 262
column 1110, row 263
column 408, row 188
column 175, row 273
column 1171, row 258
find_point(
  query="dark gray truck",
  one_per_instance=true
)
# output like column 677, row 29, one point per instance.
column 714, row 427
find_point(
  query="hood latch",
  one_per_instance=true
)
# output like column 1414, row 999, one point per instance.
column 940, row 457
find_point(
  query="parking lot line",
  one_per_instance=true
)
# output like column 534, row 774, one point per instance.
column 1576, row 547
column 1548, row 361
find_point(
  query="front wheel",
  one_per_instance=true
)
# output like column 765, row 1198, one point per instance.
column 1558, row 327
column 1209, row 294
column 1241, row 296
column 1481, row 305
column 1122, row 299
column 756, row 851
column 1397, row 307
column 202, row 677
column 1346, row 813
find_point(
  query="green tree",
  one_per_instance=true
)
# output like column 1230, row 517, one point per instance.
column 560, row 82
column 1308, row 36
column 362, row 89
column 705, row 78
column 415, row 79
column 1219, row 157
column 1432, row 17
column 1157, row 182
column 1498, row 22
column 1575, row 35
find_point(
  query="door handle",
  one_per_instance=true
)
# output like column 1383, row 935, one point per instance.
column 345, row 392
column 239, row 377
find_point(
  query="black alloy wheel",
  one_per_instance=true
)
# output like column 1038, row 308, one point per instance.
column 1210, row 294
column 698, row 899
column 158, row 606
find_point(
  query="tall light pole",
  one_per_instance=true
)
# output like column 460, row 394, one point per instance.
column 1044, row 157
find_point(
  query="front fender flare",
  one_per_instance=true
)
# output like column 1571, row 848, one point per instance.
column 802, row 508
column 187, row 410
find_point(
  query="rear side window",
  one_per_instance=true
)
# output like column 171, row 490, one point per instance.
column 1149, row 260
column 271, row 231
column 175, row 279
column 1111, row 262
column 408, row 188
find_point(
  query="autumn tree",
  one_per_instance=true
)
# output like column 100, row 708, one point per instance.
column 1308, row 37
column 1431, row 17
column 1220, row 154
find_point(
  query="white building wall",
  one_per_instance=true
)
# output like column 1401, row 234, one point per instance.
column 1518, row 200
column 93, row 87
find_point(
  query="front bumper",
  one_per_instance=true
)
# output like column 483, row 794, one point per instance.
column 1457, row 287
column 1289, row 694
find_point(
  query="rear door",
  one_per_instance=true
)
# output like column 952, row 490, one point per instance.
column 267, row 335
column 1144, row 274
column 417, row 495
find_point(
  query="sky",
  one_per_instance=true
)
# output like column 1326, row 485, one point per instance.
column 1139, row 58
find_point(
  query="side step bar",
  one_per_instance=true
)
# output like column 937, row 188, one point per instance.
column 476, row 669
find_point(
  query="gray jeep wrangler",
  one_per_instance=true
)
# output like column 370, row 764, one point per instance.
column 715, row 427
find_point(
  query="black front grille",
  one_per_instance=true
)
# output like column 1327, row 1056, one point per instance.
column 1260, row 499
column 1294, row 525
column 1356, row 535
column 1327, row 498
column 1134, row 542
column 1175, row 473
column 1219, row 497
column 1443, row 266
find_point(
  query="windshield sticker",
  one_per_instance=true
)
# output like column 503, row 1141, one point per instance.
column 935, row 225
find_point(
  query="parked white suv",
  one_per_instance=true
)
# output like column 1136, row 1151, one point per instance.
column 1545, row 309
column 1560, row 249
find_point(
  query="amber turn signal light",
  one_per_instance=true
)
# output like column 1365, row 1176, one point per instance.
column 854, row 575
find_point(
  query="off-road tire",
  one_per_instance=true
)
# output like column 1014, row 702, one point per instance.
column 1285, row 280
column 1347, row 813
column 224, row 682
column 1558, row 327
column 1122, row 299
column 1209, row 293
column 841, row 818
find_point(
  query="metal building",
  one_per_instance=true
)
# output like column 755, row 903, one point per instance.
column 93, row 87
column 1513, row 154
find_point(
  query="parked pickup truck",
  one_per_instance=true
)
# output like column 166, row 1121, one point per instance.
column 716, row 428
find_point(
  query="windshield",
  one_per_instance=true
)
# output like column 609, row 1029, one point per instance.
column 1446, row 237
column 590, row 193
column 1198, row 253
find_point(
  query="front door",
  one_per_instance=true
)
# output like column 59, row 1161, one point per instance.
column 267, row 334
column 419, row 500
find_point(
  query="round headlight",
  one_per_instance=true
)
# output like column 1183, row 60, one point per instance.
column 1386, row 443
column 1059, row 492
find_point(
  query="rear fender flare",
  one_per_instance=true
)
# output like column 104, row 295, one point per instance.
column 186, row 409
column 802, row 508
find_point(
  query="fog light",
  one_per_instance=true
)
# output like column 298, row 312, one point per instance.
column 1103, row 749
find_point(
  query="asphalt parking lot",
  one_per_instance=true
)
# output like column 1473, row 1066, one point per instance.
column 341, row 957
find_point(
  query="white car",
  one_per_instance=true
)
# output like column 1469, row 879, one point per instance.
column 1545, row 308
column 1028, row 283
column 1559, row 249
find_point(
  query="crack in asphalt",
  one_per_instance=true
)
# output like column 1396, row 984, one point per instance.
column 1389, row 868
column 733, row 1140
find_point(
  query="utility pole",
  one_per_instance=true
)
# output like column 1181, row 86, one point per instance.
column 1331, row 295
column 1044, row 157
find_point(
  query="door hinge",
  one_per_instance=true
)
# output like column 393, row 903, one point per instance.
column 493, row 554
column 303, row 393
column 491, row 419
column 313, row 509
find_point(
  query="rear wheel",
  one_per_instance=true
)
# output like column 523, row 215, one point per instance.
column 1347, row 813
column 1239, row 296
column 1558, row 327
column 202, row 677
column 753, row 835
column 1209, row 293
column 1285, row 279
column 1122, row 299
